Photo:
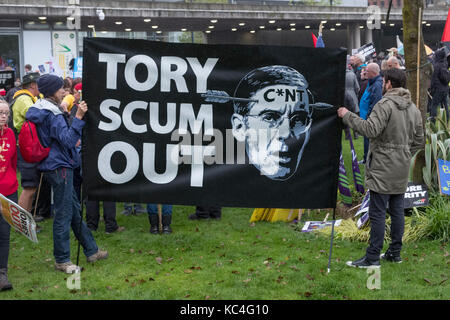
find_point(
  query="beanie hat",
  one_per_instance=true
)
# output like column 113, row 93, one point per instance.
column 78, row 87
column 48, row 84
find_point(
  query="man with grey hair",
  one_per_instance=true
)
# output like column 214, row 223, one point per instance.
column 371, row 96
column 393, row 63
column 357, row 62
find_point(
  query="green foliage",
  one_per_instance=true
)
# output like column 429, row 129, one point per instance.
column 438, row 218
column 437, row 146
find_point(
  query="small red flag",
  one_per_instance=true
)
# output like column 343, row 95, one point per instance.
column 314, row 39
column 446, row 34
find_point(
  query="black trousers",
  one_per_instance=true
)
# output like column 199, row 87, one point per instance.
column 208, row 211
column 439, row 98
column 4, row 236
column 109, row 215
column 377, row 214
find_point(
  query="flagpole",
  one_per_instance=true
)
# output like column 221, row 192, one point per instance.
column 331, row 241
column 418, row 56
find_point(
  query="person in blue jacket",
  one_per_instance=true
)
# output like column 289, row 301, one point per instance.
column 55, row 132
column 372, row 94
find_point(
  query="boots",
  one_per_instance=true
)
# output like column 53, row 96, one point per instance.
column 166, row 220
column 154, row 223
column 4, row 283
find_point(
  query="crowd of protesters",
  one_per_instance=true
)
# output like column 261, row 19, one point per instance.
column 55, row 106
column 364, row 82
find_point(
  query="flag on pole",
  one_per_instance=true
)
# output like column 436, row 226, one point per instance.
column 343, row 186
column 400, row 46
column 320, row 43
column 363, row 211
column 314, row 38
column 446, row 33
column 357, row 177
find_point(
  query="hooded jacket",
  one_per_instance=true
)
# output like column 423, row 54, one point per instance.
column 395, row 131
column 441, row 75
column 55, row 133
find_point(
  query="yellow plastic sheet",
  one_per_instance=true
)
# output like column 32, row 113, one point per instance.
column 273, row 215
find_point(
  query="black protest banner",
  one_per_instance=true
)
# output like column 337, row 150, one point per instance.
column 6, row 79
column 368, row 51
column 227, row 125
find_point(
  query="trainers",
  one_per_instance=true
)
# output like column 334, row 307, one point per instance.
column 391, row 257
column 66, row 267
column 98, row 256
column 361, row 162
column 119, row 229
column 363, row 263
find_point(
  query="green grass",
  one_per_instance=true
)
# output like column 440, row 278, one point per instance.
column 227, row 259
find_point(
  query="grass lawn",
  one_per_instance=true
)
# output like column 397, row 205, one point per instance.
column 227, row 259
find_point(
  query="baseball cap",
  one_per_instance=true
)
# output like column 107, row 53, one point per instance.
column 30, row 77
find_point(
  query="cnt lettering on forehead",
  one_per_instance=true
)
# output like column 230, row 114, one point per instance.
column 288, row 94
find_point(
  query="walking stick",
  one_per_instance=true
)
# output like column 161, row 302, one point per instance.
column 160, row 217
column 37, row 196
column 331, row 242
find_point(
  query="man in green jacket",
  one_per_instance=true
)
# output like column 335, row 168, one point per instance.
column 395, row 131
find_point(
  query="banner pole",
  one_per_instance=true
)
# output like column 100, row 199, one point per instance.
column 331, row 241
column 37, row 196
column 81, row 222
column 160, row 217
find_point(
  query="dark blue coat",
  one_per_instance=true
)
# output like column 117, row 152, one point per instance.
column 55, row 133
column 375, row 88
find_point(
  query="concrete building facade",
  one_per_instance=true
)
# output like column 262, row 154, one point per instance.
column 48, row 33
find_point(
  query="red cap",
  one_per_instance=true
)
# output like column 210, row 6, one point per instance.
column 78, row 87
column 2, row 92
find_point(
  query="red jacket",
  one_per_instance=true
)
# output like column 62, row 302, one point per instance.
column 8, row 162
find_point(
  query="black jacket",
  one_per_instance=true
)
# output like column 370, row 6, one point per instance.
column 441, row 75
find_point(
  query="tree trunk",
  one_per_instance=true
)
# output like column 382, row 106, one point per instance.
column 410, row 36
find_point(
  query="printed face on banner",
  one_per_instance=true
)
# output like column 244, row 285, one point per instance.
column 275, row 130
column 276, row 122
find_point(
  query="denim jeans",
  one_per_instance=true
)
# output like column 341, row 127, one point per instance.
column 394, row 203
column 153, row 209
column 67, row 215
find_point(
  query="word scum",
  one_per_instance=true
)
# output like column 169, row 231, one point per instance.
column 172, row 71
